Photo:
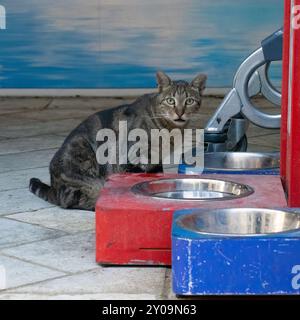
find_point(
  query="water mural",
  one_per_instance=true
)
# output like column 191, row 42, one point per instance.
column 120, row 44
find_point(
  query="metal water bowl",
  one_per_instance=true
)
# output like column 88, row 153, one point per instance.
column 193, row 189
column 240, row 222
column 241, row 161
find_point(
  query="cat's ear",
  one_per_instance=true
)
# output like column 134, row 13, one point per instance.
column 163, row 81
column 199, row 82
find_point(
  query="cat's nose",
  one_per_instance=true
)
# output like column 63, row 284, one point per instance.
column 180, row 112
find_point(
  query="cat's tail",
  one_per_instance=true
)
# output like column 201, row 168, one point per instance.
column 42, row 190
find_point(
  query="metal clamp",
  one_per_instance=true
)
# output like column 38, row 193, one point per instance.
column 251, row 78
column 246, row 70
column 267, row 88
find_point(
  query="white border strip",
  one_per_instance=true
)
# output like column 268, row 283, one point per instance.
column 291, row 65
column 93, row 92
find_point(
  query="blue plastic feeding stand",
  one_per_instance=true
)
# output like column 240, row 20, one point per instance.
column 236, row 163
column 236, row 252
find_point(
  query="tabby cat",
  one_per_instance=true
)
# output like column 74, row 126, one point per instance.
column 76, row 176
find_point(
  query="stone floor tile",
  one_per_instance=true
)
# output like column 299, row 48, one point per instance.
column 20, row 179
column 44, row 142
column 26, row 160
column 255, row 131
column 19, row 273
column 12, row 104
column 14, row 233
column 70, row 221
column 71, row 253
column 88, row 102
column 20, row 200
column 56, row 114
column 271, row 140
column 30, row 128
column 80, row 296
column 108, row 280
column 259, row 148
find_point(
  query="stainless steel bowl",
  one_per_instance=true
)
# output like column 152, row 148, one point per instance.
column 192, row 189
column 241, row 161
column 240, row 222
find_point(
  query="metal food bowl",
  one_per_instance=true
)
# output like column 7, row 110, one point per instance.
column 192, row 189
column 241, row 161
column 240, row 222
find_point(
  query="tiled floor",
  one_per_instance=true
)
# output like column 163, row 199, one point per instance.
column 48, row 252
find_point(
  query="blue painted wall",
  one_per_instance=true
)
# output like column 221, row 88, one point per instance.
column 120, row 44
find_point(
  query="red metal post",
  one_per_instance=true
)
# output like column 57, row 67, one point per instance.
column 285, row 86
column 291, row 107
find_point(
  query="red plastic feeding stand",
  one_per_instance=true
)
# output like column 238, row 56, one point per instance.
column 290, row 126
column 136, row 229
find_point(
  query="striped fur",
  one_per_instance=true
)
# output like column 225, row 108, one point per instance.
column 76, row 177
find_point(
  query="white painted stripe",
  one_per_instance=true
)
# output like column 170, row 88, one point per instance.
column 291, row 63
column 93, row 92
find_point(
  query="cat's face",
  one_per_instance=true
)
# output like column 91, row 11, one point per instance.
column 178, row 101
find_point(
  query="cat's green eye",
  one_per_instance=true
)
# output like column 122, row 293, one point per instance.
column 171, row 101
column 189, row 101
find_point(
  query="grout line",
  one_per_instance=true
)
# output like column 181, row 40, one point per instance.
column 46, row 296
column 35, row 224
column 58, row 119
column 43, row 167
column 166, row 280
column 64, row 135
column 27, row 151
column 45, row 121
column 30, row 242
column 275, row 148
column 10, row 290
column 5, row 190
column 265, row 134
column 17, row 170
column 30, row 151
column 264, row 144
column 64, row 234
column 32, row 136
column 260, row 136
column 255, row 150
column 46, row 106
column 65, row 275
column 28, row 211
column 35, row 263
